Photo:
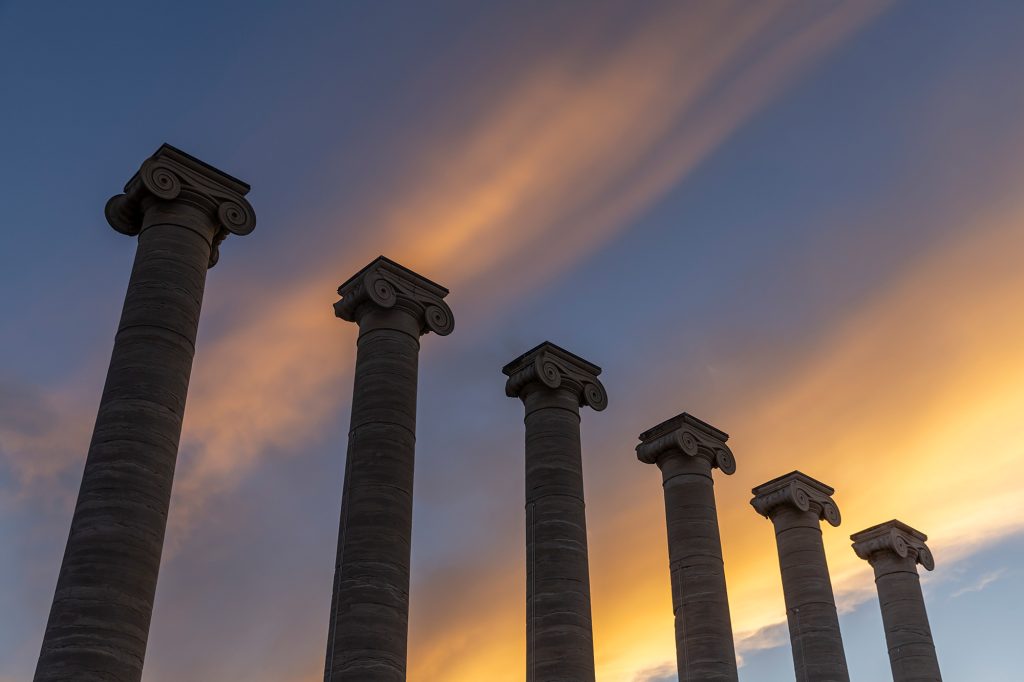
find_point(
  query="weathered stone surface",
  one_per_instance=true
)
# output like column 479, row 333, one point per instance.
column 368, row 630
column 553, row 384
column 796, row 503
column 686, row 449
column 894, row 549
column 180, row 208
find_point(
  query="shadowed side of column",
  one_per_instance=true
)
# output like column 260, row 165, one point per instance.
column 99, row 621
column 557, row 570
column 553, row 384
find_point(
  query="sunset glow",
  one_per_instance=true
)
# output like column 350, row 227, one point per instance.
column 799, row 221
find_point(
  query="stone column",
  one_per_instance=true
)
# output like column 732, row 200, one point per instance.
column 796, row 503
column 369, row 623
column 553, row 384
column 686, row 450
column 180, row 209
column 894, row 549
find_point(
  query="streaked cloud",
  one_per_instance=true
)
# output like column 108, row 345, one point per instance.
column 980, row 583
column 41, row 434
column 661, row 673
column 577, row 143
column 573, row 146
column 906, row 401
column 767, row 637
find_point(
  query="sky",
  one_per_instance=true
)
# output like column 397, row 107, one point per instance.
column 800, row 221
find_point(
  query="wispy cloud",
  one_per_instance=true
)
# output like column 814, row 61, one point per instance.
column 981, row 583
column 42, row 433
column 571, row 148
column 661, row 673
column 574, row 144
column 767, row 637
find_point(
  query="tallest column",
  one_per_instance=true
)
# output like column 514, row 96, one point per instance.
column 181, row 209
column 368, row 631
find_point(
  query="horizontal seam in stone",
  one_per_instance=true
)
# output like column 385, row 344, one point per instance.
column 573, row 411
column 379, row 423
column 156, row 326
column 675, row 476
column 786, row 530
column 811, row 603
column 680, row 564
column 913, row 573
column 572, row 497
column 390, row 486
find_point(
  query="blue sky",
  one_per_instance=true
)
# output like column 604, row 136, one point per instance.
column 800, row 221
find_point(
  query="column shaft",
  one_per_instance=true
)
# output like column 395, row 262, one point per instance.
column 559, row 630
column 99, row 621
column 704, row 643
column 907, row 632
column 553, row 384
column 368, row 633
column 817, row 643
column 368, row 628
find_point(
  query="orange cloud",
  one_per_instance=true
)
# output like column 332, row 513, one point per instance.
column 569, row 148
column 568, row 151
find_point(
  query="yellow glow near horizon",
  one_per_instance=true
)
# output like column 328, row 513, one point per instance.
column 908, row 405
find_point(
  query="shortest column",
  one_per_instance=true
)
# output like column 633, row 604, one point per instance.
column 894, row 549
column 796, row 504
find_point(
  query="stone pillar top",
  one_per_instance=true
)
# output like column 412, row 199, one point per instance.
column 554, row 367
column 172, row 175
column 384, row 284
column 687, row 435
column 796, row 489
column 896, row 537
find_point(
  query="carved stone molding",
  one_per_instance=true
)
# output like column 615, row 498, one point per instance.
column 386, row 284
column 554, row 367
column 797, row 490
column 171, row 175
column 691, row 436
column 896, row 537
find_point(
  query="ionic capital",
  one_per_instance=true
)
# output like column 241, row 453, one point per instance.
column 797, row 490
column 690, row 436
column 895, row 537
column 550, row 366
column 171, row 175
column 384, row 284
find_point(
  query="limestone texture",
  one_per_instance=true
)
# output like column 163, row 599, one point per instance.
column 369, row 620
column 894, row 550
column 181, row 209
column 553, row 384
column 686, row 450
column 796, row 504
